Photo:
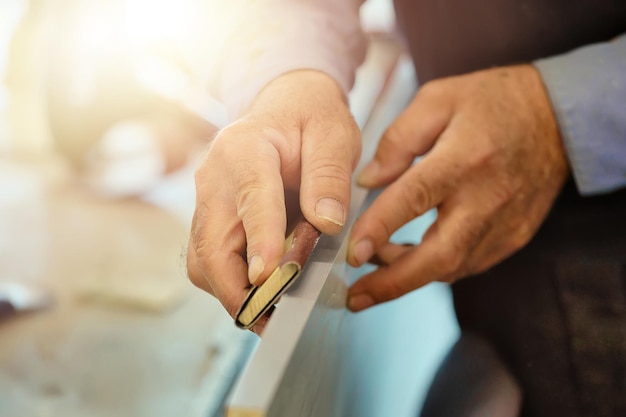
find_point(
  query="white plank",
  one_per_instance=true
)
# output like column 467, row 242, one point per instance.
column 318, row 360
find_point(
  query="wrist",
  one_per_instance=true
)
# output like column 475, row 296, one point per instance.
column 297, row 91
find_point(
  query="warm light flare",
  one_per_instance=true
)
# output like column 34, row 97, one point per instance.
column 150, row 22
column 169, row 46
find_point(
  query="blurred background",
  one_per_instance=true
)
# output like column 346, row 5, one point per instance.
column 108, row 83
column 104, row 116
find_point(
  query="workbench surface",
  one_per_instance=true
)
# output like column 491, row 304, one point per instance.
column 128, row 335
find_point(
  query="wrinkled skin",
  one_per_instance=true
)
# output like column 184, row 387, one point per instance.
column 298, row 137
column 493, row 165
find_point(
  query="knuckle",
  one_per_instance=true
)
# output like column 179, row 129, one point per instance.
column 239, row 139
column 521, row 236
column 394, row 136
column 481, row 155
column 431, row 89
column 200, row 244
column 198, row 281
column 393, row 290
column 203, row 254
column 381, row 228
column 469, row 232
column 255, row 193
column 329, row 170
column 229, row 148
column 222, row 150
column 220, row 144
column 503, row 192
column 456, row 261
column 453, row 277
column 195, row 276
column 249, row 190
column 202, row 273
column 352, row 137
column 344, row 138
column 477, row 268
column 415, row 198
column 346, row 131
column 451, row 261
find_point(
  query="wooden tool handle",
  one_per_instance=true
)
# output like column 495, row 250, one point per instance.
column 298, row 248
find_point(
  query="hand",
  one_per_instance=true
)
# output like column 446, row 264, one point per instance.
column 493, row 166
column 298, row 136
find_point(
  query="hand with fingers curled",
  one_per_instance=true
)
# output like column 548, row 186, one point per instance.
column 492, row 165
column 297, row 138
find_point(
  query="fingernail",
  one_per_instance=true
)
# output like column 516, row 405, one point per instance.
column 331, row 210
column 363, row 251
column 255, row 268
column 369, row 175
column 360, row 302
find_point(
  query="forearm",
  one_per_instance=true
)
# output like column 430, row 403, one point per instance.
column 587, row 88
column 274, row 37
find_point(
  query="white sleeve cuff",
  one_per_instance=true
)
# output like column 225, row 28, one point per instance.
column 277, row 37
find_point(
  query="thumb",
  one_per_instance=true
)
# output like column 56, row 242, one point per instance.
column 412, row 134
column 329, row 155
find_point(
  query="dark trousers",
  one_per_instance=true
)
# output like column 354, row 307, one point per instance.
column 556, row 310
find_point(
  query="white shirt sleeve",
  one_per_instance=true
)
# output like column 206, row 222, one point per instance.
column 273, row 37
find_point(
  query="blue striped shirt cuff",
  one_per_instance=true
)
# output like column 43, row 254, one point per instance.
column 587, row 88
